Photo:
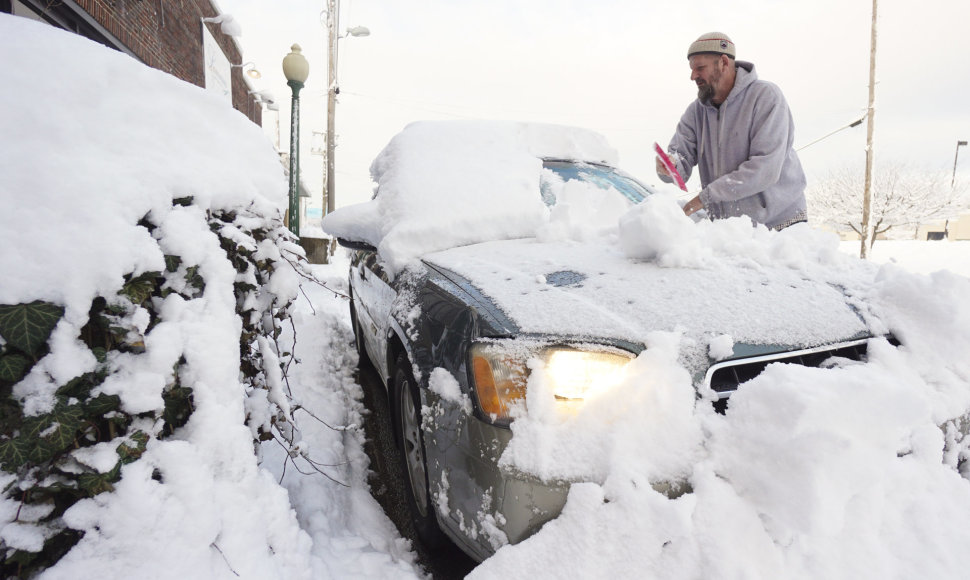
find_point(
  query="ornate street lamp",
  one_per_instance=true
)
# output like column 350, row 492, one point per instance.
column 296, row 69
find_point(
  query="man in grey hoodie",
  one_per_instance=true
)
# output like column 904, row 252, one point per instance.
column 739, row 133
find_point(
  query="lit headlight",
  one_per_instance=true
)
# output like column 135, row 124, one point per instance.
column 500, row 374
column 576, row 374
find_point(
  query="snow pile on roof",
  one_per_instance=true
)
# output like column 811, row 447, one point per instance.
column 97, row 149
column 443, row 184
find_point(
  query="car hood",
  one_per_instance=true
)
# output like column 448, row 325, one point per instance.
column 592, row 291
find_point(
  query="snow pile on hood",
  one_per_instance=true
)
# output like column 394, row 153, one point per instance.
column 852, row 470
column 443, row 184
column 657, row 230
column 760, row 287
column 846, row 471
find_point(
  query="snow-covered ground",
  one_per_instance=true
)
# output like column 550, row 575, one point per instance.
column 840, row 472
column 919, row 257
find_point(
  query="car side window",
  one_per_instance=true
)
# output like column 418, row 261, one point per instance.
column 373, row 263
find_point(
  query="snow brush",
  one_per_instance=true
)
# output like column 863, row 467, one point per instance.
column 669, row 166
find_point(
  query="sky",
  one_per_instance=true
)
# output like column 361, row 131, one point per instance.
column 619, row 68
column 862, row 484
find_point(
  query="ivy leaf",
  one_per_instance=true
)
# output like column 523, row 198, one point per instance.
column 28, row 326
column 13, row 367
column 193, row 278
column 39, row 450
column 102, row 405
column 34, row 426
column 78, row 387
column 68, row 419
column 140, row 288
column 95, row 483
column 178, row 406
column 172, row 263
column 13, row 453
column 130, row 451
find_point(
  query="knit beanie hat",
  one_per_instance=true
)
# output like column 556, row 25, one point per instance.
column 712, row 42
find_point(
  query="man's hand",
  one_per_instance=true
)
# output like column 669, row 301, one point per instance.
column 693, row 206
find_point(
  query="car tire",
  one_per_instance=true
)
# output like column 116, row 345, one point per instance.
column 407, row 408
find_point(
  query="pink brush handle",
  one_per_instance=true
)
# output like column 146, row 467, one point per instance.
column 670, row 167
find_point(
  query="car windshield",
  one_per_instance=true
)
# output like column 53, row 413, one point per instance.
column 601, row 176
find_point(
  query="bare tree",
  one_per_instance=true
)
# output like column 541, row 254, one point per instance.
column 901, row 197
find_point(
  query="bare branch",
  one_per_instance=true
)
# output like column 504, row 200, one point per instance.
column 902, row 197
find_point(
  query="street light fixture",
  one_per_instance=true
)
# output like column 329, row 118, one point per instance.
column 953, row 180
column 296, row 69
column 226, row 23
column 357, row 31
column 249, row 68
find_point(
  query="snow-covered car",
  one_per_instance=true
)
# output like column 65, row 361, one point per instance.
column 491, row 250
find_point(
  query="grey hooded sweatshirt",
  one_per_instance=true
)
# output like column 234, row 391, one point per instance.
column 743, row 150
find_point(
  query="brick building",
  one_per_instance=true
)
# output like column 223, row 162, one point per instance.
column 166, row 35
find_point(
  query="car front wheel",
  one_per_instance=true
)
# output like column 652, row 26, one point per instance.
column 411, row 443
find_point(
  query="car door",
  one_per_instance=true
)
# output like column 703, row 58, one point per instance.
column 374, row 299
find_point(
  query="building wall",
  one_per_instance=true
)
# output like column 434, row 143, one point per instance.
column 165, row 34
column 956, row 229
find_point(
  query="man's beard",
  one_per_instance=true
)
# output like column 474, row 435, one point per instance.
column 705, row 92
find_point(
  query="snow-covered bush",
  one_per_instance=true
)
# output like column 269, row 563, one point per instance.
column 69, row 439
column 145, row 275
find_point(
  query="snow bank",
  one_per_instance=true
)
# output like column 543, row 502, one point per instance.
column 96, row 142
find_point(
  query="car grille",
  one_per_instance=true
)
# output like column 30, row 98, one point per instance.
column 724, row 377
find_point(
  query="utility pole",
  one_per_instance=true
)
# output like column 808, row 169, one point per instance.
column 333, row 21
column 867, row 193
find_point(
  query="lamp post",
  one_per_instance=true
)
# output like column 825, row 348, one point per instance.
column 333, row 21
column 953, row 179
column 296, row 69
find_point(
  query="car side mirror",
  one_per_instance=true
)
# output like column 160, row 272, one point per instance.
column 355, row 245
